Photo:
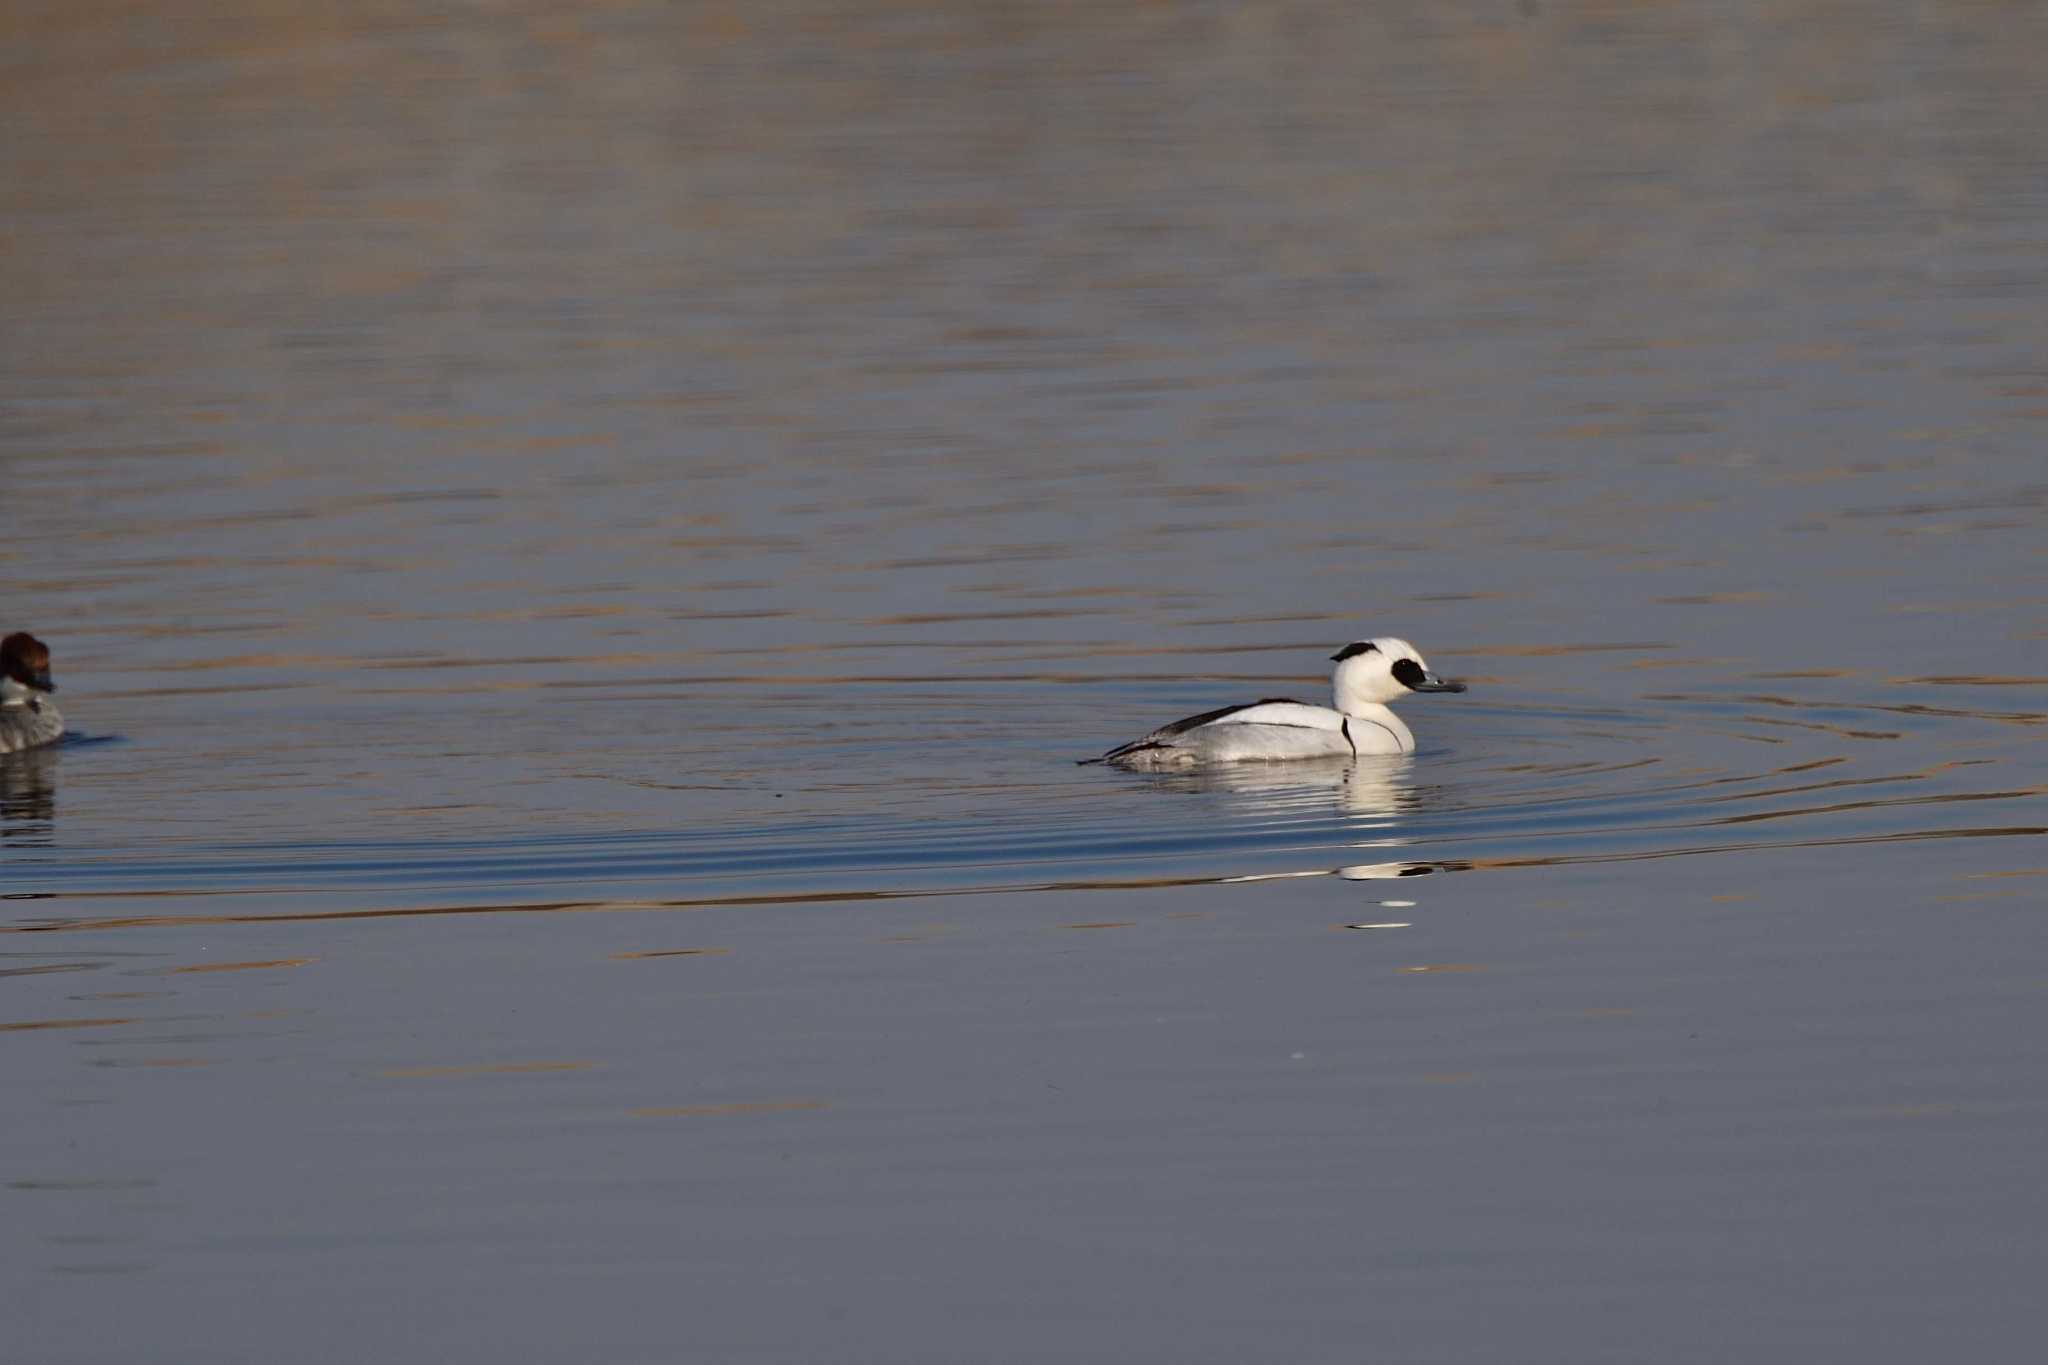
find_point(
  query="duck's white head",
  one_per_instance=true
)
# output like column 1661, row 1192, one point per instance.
column 24, row 669
column 1382, row 670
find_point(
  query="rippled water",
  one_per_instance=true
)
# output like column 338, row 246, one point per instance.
column 581, row 548
column 884, row 806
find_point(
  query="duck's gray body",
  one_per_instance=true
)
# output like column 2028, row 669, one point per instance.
column 29, row 724
column 1369, row 673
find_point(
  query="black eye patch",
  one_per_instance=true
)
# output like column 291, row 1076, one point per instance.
column 1352, row 651
column 1408, row 673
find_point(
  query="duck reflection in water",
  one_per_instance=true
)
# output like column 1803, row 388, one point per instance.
column 1363, row 788
column 28, row 797
column 1372, row 796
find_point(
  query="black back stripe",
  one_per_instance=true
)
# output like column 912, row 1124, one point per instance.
column 1182, row 726
column 1346, row 728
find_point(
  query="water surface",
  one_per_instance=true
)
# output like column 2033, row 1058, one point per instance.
column 583, row 546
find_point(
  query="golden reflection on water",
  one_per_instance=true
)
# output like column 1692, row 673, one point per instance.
column 35, row 1025
column 50, row 969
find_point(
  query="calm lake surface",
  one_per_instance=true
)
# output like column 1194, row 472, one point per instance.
column 581, row 546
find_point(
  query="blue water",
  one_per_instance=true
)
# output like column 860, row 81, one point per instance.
column 1651, row 780
column 582, row 547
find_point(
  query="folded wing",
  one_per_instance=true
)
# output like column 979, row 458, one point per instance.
column 1283, row 711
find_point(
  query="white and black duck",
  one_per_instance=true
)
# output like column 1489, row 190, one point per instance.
column 1369, row 674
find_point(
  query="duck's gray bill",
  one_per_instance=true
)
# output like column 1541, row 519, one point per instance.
column 1432, row 683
